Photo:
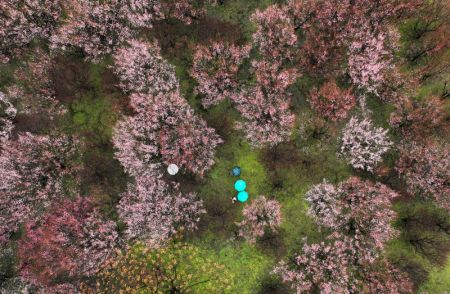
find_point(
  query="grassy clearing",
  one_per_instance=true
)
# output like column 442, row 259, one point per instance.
column 247, row 264
column 438, row 281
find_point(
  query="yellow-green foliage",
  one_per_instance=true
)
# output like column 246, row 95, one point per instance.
column 175, row 268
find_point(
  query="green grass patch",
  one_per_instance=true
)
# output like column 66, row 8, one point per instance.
column 245, row 261
column 438, row 281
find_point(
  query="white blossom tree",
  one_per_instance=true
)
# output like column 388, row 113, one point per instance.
column 363, row 144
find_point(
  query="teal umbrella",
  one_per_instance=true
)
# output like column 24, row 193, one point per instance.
column 240, row 185
column 242, row 196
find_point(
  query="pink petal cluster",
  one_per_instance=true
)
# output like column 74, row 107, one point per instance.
column 275, row 34
column 154, row 210
column 325, row 267
column 141, row 68
column 22, row 21
column 142, row 13
column 31, row 168
column 426, row 169
column 98, row 28
column 69, row 241
column 265, row 106
column 355, row 207
column 164, row 131
column 330, row 26
column 333, row 267
column 384, row 277
column 7, row 115
column 215, row 68
column 417, row 120
column 268, row 120
column 184, row 10
column 260, row 215
column 369, row 60
column 332, row 102
column 363, row 144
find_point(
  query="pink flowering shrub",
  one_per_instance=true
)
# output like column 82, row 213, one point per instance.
column 142, row 13
column 272, row 76
column 363, row 144
column 141, row 68
column 332, row 102
column 23, row 20
column 426, row 169
column 367, row 211
column 369, row 60
column 383, row 277
column 155, row 210
column 7, row 114
column 358, row 208
column 417, row 120
column 184, row 10
column 32, row 169
column 97, row 28
column 164, row 131
column 69, row 241
column 333, row 266
column 325, row 267
column 260, row 215
column 267, row 118
column 329, row 27
column 215, row 68
column 275, row 33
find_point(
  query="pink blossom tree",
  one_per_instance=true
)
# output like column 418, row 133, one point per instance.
column 383, row 277
column 98, row 28
column 164, row 131
column 32, row 169
column 426, row 169
column 272, row 76
column 70, row 241
column 275, row 33
column 357, row 208
column 367, row 212
column 141, row 68
column 363, row 144
column 267, row 118
column 332, row 102
column 21, row 21
column 324, row 267
column 154, row 210
column 185, row 10
column 417, row 120
column 329, row 27
column 333, row 267
column 262, row 214
column 7, row 114
column 142, row 13
column 215, row 68
column 369, row 61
